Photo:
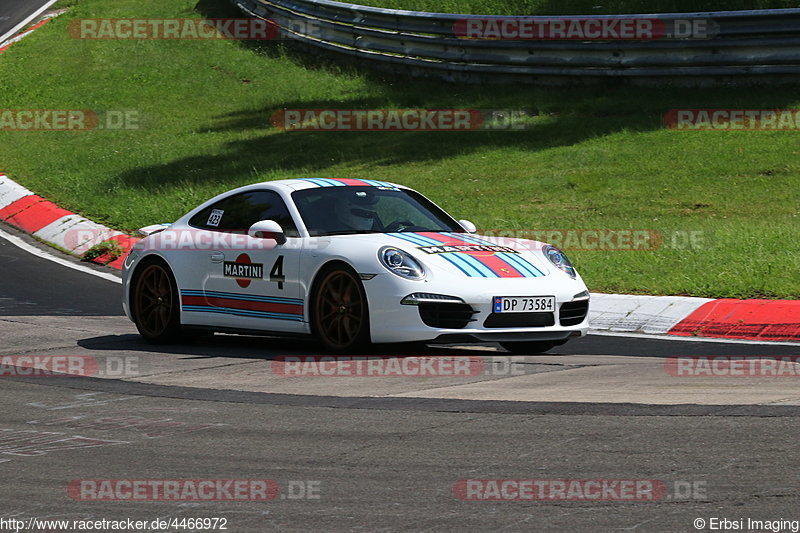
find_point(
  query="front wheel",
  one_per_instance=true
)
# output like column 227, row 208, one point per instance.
column 340, row 318
column 528, row 347
column 156, row 310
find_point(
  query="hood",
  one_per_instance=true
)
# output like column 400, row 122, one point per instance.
column 474, row 256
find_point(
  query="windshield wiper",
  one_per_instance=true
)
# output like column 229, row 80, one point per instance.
column 347, row 232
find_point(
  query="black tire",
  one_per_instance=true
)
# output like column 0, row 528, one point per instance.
column 529, row 347
column 339, row 312
column 155, row 303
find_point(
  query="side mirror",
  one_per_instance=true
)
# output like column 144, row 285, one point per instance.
column 468, row 226
column 267, row 229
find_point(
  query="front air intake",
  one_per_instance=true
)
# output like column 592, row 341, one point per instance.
column 519, row 320
column 446, row 315
column 573, row 313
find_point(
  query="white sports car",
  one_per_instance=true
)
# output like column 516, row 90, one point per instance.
column 350, row 262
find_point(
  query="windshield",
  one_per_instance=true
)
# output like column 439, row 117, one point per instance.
column 352, row 209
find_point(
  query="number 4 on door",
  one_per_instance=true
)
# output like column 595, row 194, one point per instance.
column 276, row 274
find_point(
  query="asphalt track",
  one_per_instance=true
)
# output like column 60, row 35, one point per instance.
column 381, row 454
column 16, row 12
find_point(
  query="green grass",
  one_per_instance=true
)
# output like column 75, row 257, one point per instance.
column 596, row 157
column 575, row 7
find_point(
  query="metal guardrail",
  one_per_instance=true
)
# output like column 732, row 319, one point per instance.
column 744, row 44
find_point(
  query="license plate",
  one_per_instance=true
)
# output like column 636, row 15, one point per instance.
column 524, row 304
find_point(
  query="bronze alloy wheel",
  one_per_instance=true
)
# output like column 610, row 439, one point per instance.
column 155, row 304
column 341, row 318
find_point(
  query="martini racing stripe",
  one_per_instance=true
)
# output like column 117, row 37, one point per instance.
column 514, row 259
column 470, row 238
column 501, row 268
column 343, row 182
column 416, row 239
column 477, row 263
column 350, row 181
column 241, row 312
column 466, row 264
column 323, row 182
column 467, row 271
column 522, row 265
column 376, row 183
column 238, row 296
column 501, row 264
column 242, row 304
column 471, row 264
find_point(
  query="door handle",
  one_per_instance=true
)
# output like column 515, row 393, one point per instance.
column 217, row 257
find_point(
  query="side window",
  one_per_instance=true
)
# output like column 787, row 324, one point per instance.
column 274, row 208
column 237, row 213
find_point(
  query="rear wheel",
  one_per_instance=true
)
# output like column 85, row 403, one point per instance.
column 528, row 347
column 340, row 317
column 156, row 310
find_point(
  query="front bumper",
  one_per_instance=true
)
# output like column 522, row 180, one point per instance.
column 390, row 321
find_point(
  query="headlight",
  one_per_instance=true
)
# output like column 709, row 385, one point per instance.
column 401, row 263
column 559, row 259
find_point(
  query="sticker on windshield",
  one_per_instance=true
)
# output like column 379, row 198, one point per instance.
column 215, row 218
